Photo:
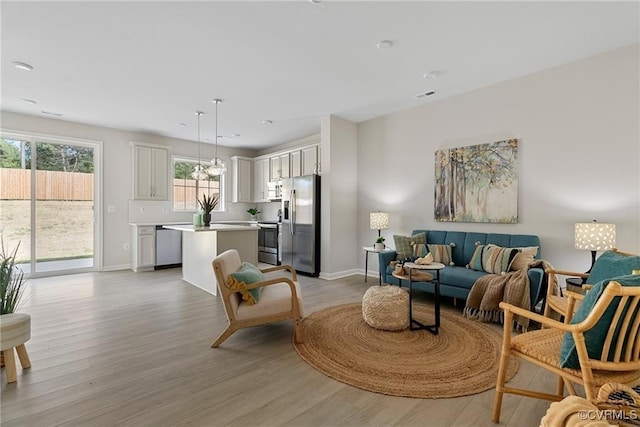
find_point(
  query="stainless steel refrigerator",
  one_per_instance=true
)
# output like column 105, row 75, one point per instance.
column 301, row 223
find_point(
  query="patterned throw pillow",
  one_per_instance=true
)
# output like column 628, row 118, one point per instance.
column 247, row 275
column 492, row 259
column 441, row 253
column 404, row 244
column 524, row 257
column 419, row 250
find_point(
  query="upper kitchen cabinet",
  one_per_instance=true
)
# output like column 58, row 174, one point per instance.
column 150, row 172
column 241, row 179
column 279, row 166
column 296, row 166
column 310, row 160
column 261, row 179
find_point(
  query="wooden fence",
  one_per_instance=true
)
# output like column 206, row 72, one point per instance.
column 15, row 184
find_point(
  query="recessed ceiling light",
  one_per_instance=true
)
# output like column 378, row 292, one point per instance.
column 22, row 66
column 431, row 75
column 182, row 124
column 29, row 101
column 267, row 122
column 384, row 44
column 51, row 113
column 235, row 135
column 315, row 1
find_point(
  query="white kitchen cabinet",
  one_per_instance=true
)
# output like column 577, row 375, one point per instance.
column 296, row 166
column 150, row 173
column 261, row 180
column 241, row 179
column 143, row 248
column 310, row 160
column 279, row 166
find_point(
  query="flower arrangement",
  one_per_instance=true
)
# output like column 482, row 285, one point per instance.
column 253, row 211
column 11, row 280
column 208, row 203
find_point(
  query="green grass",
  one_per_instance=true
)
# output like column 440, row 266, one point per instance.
column 64, row 229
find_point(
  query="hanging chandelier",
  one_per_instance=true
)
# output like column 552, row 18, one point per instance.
column 199, row 172
column 217, row 167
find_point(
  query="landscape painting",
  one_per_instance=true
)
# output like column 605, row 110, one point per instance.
column 478, row 183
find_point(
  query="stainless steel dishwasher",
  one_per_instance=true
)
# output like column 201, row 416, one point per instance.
column 168, row 248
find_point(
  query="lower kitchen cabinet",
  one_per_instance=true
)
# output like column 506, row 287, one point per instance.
column 143, row 247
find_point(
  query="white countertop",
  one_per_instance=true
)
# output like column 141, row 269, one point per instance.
column 235, row 222
column 212, row 227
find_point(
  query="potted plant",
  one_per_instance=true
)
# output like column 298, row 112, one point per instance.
column 12, row 283
column 208, row 204
column 254, row 213
column 379, row 244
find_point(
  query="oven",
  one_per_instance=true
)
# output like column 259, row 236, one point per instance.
column 268, row 245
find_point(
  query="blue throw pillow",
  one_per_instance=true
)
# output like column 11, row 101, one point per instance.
column 247, row 275
column 612, row 264
column 594, row 337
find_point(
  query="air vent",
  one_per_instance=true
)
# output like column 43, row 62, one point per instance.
column 425, row 94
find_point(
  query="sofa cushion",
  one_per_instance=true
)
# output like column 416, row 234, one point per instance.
column 404, row 244
column 595, row 337
column 460, row 276
column 441, row 253
column 492, row 259
column 524, row 257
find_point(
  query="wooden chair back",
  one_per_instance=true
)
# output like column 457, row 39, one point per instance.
column 223, row 265
column 623, row 335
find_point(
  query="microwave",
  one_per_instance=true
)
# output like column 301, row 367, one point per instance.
column 274, row 190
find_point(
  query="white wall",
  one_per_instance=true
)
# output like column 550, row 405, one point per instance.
column 339, row 220
column 578, row 128
column 117, row 178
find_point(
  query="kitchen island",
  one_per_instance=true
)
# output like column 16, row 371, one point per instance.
column 200, row 245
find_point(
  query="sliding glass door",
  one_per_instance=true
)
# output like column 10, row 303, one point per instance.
column 47, row 193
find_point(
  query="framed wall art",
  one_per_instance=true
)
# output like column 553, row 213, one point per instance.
column 478, row 183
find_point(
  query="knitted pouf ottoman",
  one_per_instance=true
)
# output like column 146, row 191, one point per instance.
column 386, row 307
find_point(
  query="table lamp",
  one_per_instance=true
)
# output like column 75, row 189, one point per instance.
column 378, row 221
column 594, row 236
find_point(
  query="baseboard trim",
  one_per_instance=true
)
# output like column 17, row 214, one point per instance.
column 340, row 274
column 117, row 267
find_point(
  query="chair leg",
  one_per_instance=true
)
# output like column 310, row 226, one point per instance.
column 223, row 336
column 10, row 365
column 502, row 370
column 23, row 356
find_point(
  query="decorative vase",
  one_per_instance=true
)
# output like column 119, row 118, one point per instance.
column 378, row 246
column 254, row 218
column 207, row 219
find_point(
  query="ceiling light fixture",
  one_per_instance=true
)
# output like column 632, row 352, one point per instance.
column 431, row 75
column 384, row 44
column 22, row 66
column 267, row 122
column 29, row 101
column 217, row 167
column 199, row 172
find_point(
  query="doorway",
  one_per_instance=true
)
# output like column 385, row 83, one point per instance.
column 48, row 189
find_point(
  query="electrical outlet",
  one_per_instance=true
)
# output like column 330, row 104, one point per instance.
column 111, row 209
column 126, row 246
column 141, row 209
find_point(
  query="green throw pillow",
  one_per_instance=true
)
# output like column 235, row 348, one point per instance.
column 247, row 275
column 404, row 244
column 611, row 264
column 441, row 253
column 492, row 259
column 594, row 337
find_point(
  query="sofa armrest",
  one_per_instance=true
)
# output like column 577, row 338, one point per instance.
column 384, row 258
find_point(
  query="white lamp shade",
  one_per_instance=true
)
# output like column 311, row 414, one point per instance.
column 595, row 236
column 379, row 220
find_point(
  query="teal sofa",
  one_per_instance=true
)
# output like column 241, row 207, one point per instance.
column 456, row 281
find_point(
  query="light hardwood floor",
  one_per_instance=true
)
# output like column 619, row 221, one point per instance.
column 132, row 349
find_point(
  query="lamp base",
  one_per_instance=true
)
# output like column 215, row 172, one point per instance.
column 593, row 261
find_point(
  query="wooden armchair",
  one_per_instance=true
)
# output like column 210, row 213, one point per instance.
column 559, row 303
column 281, row 298
column 618, row 360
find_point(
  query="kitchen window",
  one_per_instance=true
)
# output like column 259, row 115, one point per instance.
column 186, row 189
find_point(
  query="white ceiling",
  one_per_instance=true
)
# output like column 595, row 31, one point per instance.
column 148, row 66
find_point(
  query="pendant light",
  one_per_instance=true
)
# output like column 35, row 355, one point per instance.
column 199, row 172
column 217, row 167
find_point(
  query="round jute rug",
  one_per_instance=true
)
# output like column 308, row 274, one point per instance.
column 462, row 359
